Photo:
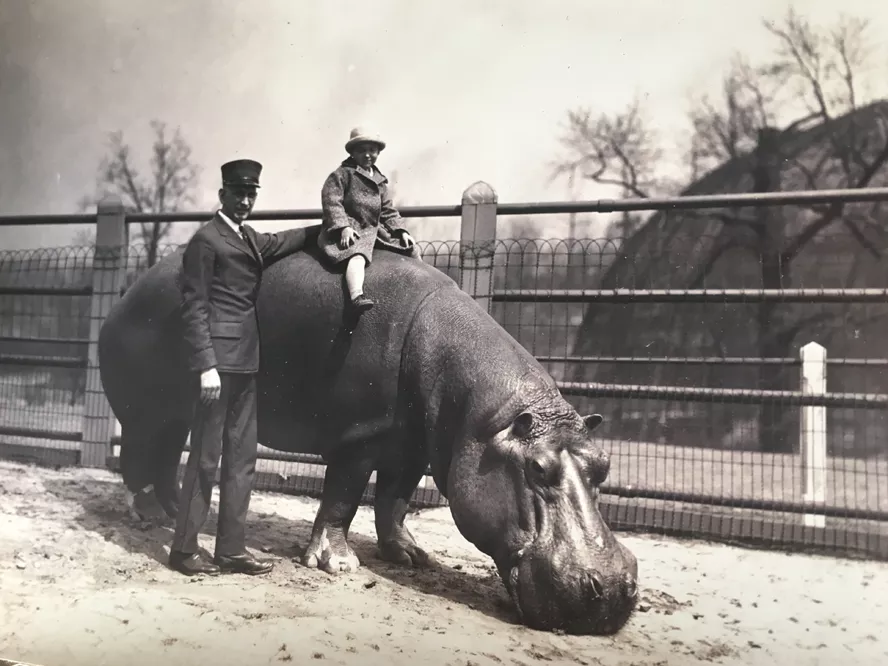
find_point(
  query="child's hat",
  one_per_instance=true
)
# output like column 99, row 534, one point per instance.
column 359, row 135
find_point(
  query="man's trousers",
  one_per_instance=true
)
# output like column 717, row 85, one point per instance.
column 225, row 428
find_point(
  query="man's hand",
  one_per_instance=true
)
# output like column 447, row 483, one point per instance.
column 210, row 386
column 407, row 240
column 347, row 238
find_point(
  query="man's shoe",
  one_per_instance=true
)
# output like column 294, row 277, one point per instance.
column 192, row 564
column 244, row 563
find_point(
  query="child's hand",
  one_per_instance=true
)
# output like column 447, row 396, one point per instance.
column 347, row 238
column 407, row 240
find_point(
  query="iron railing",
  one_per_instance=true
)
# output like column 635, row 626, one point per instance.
column 711, row 431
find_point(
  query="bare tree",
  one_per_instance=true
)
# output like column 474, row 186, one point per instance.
column 168, row 186
column 811, row 80
column 811, row 83
column 618, row 150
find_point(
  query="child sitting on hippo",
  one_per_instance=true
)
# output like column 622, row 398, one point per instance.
column 358, row 215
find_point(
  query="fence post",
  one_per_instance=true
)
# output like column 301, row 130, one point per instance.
column 109, row 269
column 813, row 431
column 478, row 242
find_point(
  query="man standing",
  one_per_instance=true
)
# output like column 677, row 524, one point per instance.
column 222, row 269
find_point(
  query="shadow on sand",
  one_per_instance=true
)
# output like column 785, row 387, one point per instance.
column 105, row 513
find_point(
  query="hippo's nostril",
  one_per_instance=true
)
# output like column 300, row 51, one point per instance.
column 631, row 585
column 600, row 468
column 544, row 470
column 594, row 585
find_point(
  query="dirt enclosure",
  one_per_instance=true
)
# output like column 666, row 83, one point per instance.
column 81, row 582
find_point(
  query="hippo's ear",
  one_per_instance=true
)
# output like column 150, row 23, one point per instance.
column 522, row 425
column 593, row 421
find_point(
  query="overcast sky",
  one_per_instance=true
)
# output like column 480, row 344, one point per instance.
column 462, row 90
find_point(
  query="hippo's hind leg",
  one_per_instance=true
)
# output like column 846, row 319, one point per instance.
column 345, row 480
column 395, row 485
column 149, row 461
column 137, row 465
column 135, row 459
column 170, row 445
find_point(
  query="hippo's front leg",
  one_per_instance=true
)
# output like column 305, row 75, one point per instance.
column 395, row 486
column 344, row 484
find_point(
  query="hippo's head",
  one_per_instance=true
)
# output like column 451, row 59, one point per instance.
column 527, row 495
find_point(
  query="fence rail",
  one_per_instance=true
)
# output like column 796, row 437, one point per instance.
column 690, row 431
column 691, row 295
column 43, row 361
column 58, row 341
column 708, row 360
column 45, row 291
column 481, row 191
column 38, row 433
column 726, row 396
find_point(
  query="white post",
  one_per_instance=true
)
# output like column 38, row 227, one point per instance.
column 477, row 242
column 813, row 431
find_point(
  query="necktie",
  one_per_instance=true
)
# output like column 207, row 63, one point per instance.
column 249, row 242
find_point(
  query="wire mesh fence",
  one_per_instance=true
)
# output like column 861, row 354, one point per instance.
column 44, row 321
column 658, row 315
column 613, row 322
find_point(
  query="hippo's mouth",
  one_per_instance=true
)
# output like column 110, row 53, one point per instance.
column 511, row 580
column 590, row 603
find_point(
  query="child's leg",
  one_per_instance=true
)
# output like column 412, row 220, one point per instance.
column 354, row 276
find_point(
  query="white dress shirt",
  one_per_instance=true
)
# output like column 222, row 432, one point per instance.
column 236, row 227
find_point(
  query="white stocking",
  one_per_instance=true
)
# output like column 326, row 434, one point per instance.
column 354, row 276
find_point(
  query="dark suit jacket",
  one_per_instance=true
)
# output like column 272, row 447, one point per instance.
column 220, row 281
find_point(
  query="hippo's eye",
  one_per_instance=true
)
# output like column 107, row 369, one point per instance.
column 522, row 425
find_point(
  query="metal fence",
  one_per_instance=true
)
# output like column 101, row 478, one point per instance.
column 732, row 411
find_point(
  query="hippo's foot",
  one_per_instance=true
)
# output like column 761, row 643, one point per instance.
column 146, row 507
column 394, row 488
column 404, row 551
column 329, row 551
column 168, row 497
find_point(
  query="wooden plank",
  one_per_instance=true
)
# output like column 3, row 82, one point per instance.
column 39, row 455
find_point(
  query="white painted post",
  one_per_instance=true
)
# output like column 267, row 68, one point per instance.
column 478, row 242
column 109, row 270
column 813, row 431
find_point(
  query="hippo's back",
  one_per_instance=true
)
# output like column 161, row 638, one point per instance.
column 326, row 376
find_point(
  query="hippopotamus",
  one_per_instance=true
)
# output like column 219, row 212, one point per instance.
column 426, row 380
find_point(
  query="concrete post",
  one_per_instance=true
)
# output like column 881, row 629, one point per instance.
column 109, row 271
column 478, row 242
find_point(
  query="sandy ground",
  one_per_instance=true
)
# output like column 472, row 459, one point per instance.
column 81, row 582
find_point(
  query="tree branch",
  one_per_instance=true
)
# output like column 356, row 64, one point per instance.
column 833, row 210
column 723, row 246
column 610, row 150
column 858, row 235
column 803, row 48
column 171, row 182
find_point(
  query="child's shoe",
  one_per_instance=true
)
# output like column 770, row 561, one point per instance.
column 362, row 303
